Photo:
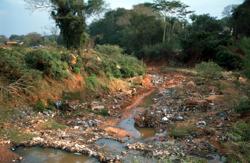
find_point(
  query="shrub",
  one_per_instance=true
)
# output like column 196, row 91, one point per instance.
column 228, row 59
column 109, row 49
column 49, row 62
column 130, row 67
column 245, row 46
column 40, row 106
column 53, row 125
column 102, row 112
column 241, row 131
column 243, row 106
column 209, row 70
column 76, row 70
column 116, row 64
column 158, row 51
column 12, row 63
column 92, row 82
column 181, row 132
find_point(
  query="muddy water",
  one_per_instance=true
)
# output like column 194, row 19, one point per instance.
column 46, row 155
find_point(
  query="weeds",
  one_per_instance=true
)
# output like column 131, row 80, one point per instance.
column 243, row 106
column 15, row 135
column 181, row 132
column 91, row 82
column 53, row 125
column 209, row 70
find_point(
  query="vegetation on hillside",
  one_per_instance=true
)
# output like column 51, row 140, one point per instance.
column 24, row 69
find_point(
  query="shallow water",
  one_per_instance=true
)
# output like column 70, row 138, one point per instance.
column 47, row 155
column 111, row 146
column 146, row 132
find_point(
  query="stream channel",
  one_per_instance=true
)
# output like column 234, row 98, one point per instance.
column 48, row 155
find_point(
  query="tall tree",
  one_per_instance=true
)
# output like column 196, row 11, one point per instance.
column 241, row 20
column 170, row 12
column 70, row 16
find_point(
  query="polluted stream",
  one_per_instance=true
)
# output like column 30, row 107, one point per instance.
column 48, row 155
column 109, row 146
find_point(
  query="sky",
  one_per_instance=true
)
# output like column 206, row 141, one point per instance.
column 15, row 18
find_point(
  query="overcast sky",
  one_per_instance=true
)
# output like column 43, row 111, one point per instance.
column 16, row 19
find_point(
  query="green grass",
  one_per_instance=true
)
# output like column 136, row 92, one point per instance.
column 51, row 124
column 243, row 106
column 209, row 70
column 181, row 132
column 15, row 135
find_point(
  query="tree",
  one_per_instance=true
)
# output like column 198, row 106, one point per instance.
column 70, row 16
column 170, row 12
column 205, row 35
column 228, row 10
column 3, row 39
column 241, row 20
column 131, row 29
column 33, row 39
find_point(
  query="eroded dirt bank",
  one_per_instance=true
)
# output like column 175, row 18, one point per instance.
column 190, row 115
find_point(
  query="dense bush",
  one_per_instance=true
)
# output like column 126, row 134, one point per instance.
column 12, row 63
column 91, row 82
column 245, row 46
column 243, row 106
column 241, row 131
column 209, row 70
column 40, row 106
column 158, row 51
column 109, row 49
column 116, row 64
column 49, row 62
column 228, row 59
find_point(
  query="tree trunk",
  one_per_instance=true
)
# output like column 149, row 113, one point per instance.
column 164, row 32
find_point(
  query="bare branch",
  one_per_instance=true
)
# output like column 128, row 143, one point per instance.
column 38, row 4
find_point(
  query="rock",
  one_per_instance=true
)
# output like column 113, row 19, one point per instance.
column 165, row 119
column 191, row 84
column 215, row 98
column 58, row 104
column 201, row 124
column 179, row 118
column 96, row 106
column 242, row 80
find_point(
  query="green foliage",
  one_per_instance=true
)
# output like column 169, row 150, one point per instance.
column 160, row 51
column 209, row 70
column 3, row 39
column 228, row 59
column 203, row 37
column 91, row 82
column 180, row 132
column 33, row 39
column 130, row 29
column 15, row 135
column 70, row 18
column 48, row 62
column 241, row 20
column 245, row 46
column 241, row 131
column 116, row 64
column 243, row 106
column 40, row 106
column 102, row 112
column 109, row 49
column 53, row 125
column 76, row 69
column 12, row 63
